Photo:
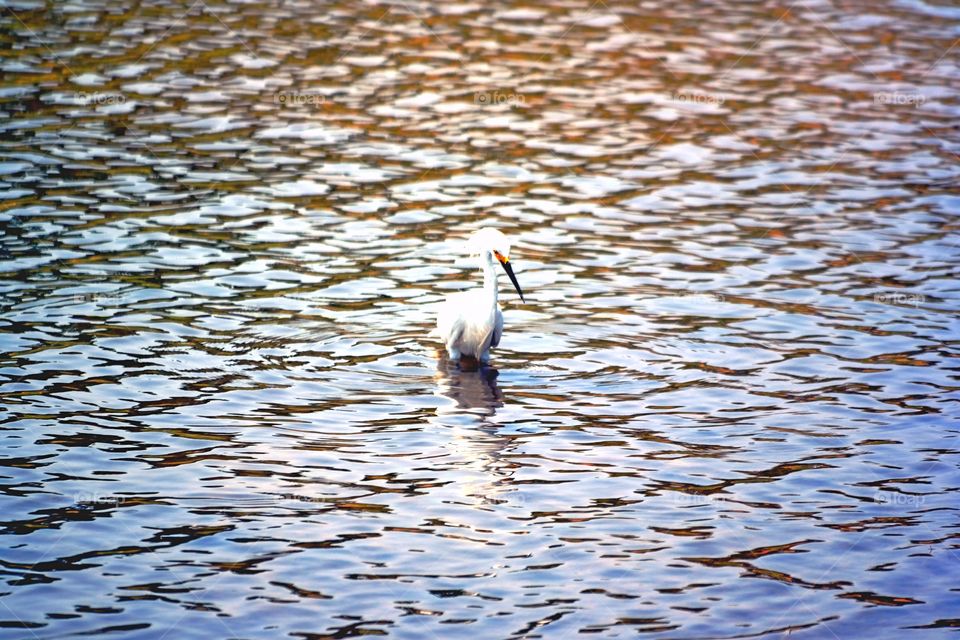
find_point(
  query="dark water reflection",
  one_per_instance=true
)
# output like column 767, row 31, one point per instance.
column 728, row 409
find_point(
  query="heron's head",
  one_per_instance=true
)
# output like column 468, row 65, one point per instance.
column 490, row 244
column 489, row 241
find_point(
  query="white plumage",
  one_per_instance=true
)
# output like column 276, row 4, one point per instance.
column 471, row 322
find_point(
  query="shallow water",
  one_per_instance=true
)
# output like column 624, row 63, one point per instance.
column 728, row 407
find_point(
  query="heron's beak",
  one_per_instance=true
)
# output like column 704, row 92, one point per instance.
column 505, row 263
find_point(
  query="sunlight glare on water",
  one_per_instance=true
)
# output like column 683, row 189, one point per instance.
column 728, row 407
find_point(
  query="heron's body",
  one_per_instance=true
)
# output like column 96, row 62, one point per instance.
column 471, row 322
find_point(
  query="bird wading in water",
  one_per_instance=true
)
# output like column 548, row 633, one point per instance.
column 470, row 322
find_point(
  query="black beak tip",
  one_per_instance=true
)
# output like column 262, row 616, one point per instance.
column 513, row 279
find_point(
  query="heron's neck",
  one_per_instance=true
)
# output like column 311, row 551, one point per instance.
column 489, row 277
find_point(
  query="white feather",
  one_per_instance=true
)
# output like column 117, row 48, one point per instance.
column 471, row 322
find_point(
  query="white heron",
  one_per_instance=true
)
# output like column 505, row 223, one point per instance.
column 470, row 322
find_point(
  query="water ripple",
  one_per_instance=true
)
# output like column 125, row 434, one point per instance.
column 728, row 407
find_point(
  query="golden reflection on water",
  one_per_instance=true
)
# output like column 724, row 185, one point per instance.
column 725, row 410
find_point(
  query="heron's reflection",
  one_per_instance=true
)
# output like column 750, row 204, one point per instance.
column 475, row 438
column 474, row 389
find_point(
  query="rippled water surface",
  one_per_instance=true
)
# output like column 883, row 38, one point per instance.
column 728, row 407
